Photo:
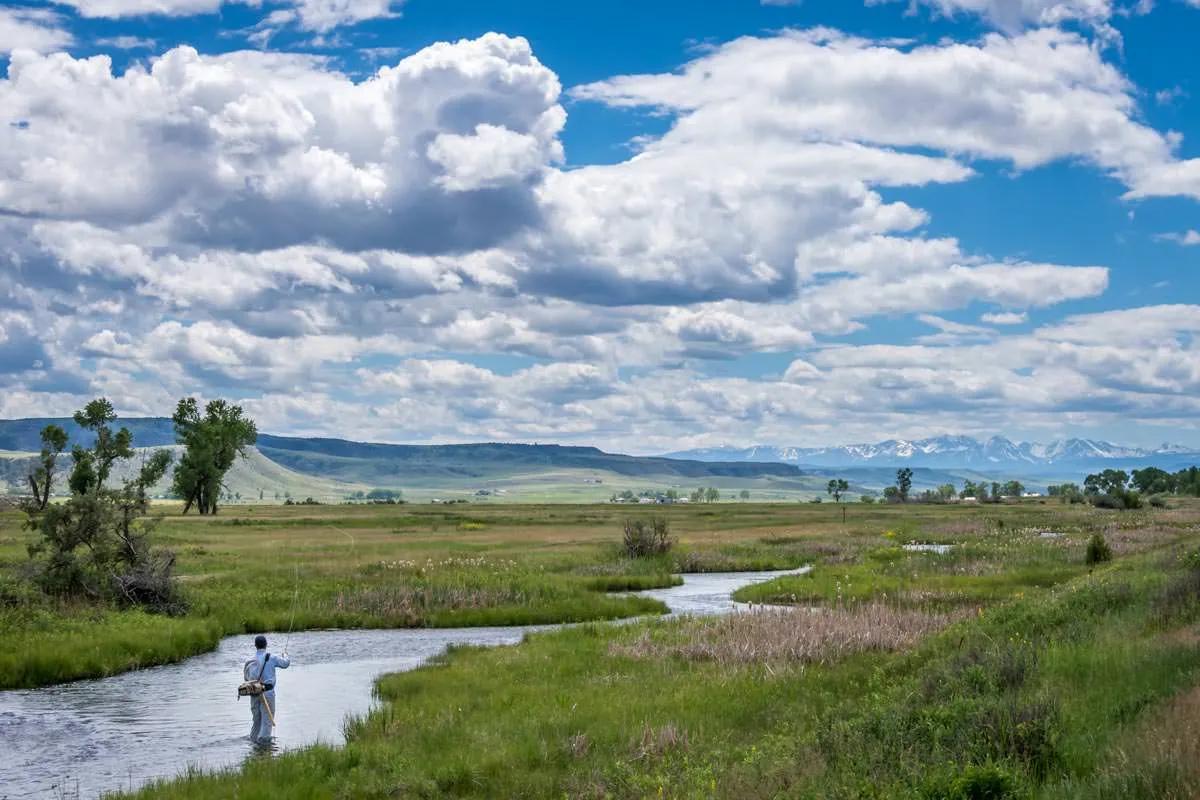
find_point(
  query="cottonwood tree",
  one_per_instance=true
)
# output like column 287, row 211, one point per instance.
column 93, row 466
column 212, row 443
column 95, row 545
column 41, row 480
column 836, row 487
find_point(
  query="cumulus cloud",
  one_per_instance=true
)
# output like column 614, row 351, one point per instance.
column 32, row 29
column 260, row 150
column 282, row 232
column 1028, row 99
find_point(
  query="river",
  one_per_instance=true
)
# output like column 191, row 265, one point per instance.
column 80, row 739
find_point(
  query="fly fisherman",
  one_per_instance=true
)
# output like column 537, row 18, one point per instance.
column 265, row 664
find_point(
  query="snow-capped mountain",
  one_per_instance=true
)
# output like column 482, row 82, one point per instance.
column 996, row 452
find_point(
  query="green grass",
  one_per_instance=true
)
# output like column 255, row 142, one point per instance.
column 1047, row 684
column 1028, row 695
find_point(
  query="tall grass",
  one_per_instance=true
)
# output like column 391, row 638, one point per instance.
column 1043, row 692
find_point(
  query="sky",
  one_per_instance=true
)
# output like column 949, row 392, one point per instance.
column 644, row 226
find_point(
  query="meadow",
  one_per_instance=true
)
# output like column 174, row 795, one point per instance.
column 1003, row 667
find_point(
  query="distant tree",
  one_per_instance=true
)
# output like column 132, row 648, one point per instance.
column 672, row 495
column 837, row 487
column 891, row 494
column 1187, row 481
column 1109, row 481
column 1012, row 489
column 946, row 492
column 712, row 494
column 41, row 480
column 744, row 494
column 260, row 494
column 996, row 493
column 904, row 483
column 212, row 442
column 394, row 494
column 1066, row 492
column 1153, row 480
column 697, row 496
column 866, row 498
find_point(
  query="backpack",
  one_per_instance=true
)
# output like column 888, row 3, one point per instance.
column 253, row 685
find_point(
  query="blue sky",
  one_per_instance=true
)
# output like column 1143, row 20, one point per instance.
column 645, row 226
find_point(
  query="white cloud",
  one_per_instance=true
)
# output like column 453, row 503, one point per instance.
column 280, row 231
column 1028, row 99
column 32, row 29
column 1188, row 238
column 138, row 8
column 127, row 42
column 1004, row 318
column 256, row 150
column 1013, row 14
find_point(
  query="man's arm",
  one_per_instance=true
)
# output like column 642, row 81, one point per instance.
column 282, row 662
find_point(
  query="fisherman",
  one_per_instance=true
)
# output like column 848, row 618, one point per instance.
column 266, row 664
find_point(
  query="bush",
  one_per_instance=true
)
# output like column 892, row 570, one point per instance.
column 1118, row 500
column 988, row 782
column 1098, row 550
column 647, row 538
column 1158, row 500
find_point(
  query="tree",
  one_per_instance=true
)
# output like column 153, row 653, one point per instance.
column 41, row 480
column 92, row 467
column 697, row 496
column 904, row 483
column 1066, row 492
column 212, row 443
column 836, row 487
column 1110, row 481
column 1012, row 489
column 712, row 494
column 95, row 545
column 996, row 494
column 744, row 494
column 891, row 494
column 1109, row 489
column 1153, row 480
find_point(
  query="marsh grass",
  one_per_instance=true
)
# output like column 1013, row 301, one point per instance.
column 783, row 636
column 1058, row 682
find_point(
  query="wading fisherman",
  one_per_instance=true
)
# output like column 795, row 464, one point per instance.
column 265, row 664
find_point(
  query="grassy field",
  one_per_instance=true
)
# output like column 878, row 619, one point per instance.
column 1005, row 667
column 269, row 567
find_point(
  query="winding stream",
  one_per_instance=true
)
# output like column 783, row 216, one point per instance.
column 83, row 738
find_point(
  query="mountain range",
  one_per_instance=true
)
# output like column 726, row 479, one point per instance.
column 995, row 453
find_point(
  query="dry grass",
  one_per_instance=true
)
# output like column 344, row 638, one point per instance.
column 1168, row 743
column 818, row 635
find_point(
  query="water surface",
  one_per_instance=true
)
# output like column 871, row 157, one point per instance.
column 83, row 738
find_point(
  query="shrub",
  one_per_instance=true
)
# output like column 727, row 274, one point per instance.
column 1118, row 500
column 1098, row 550
column 988, row 782
column 647, row 538
column 1157, row 501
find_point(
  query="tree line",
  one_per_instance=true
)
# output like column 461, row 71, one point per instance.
column 1116, row 488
